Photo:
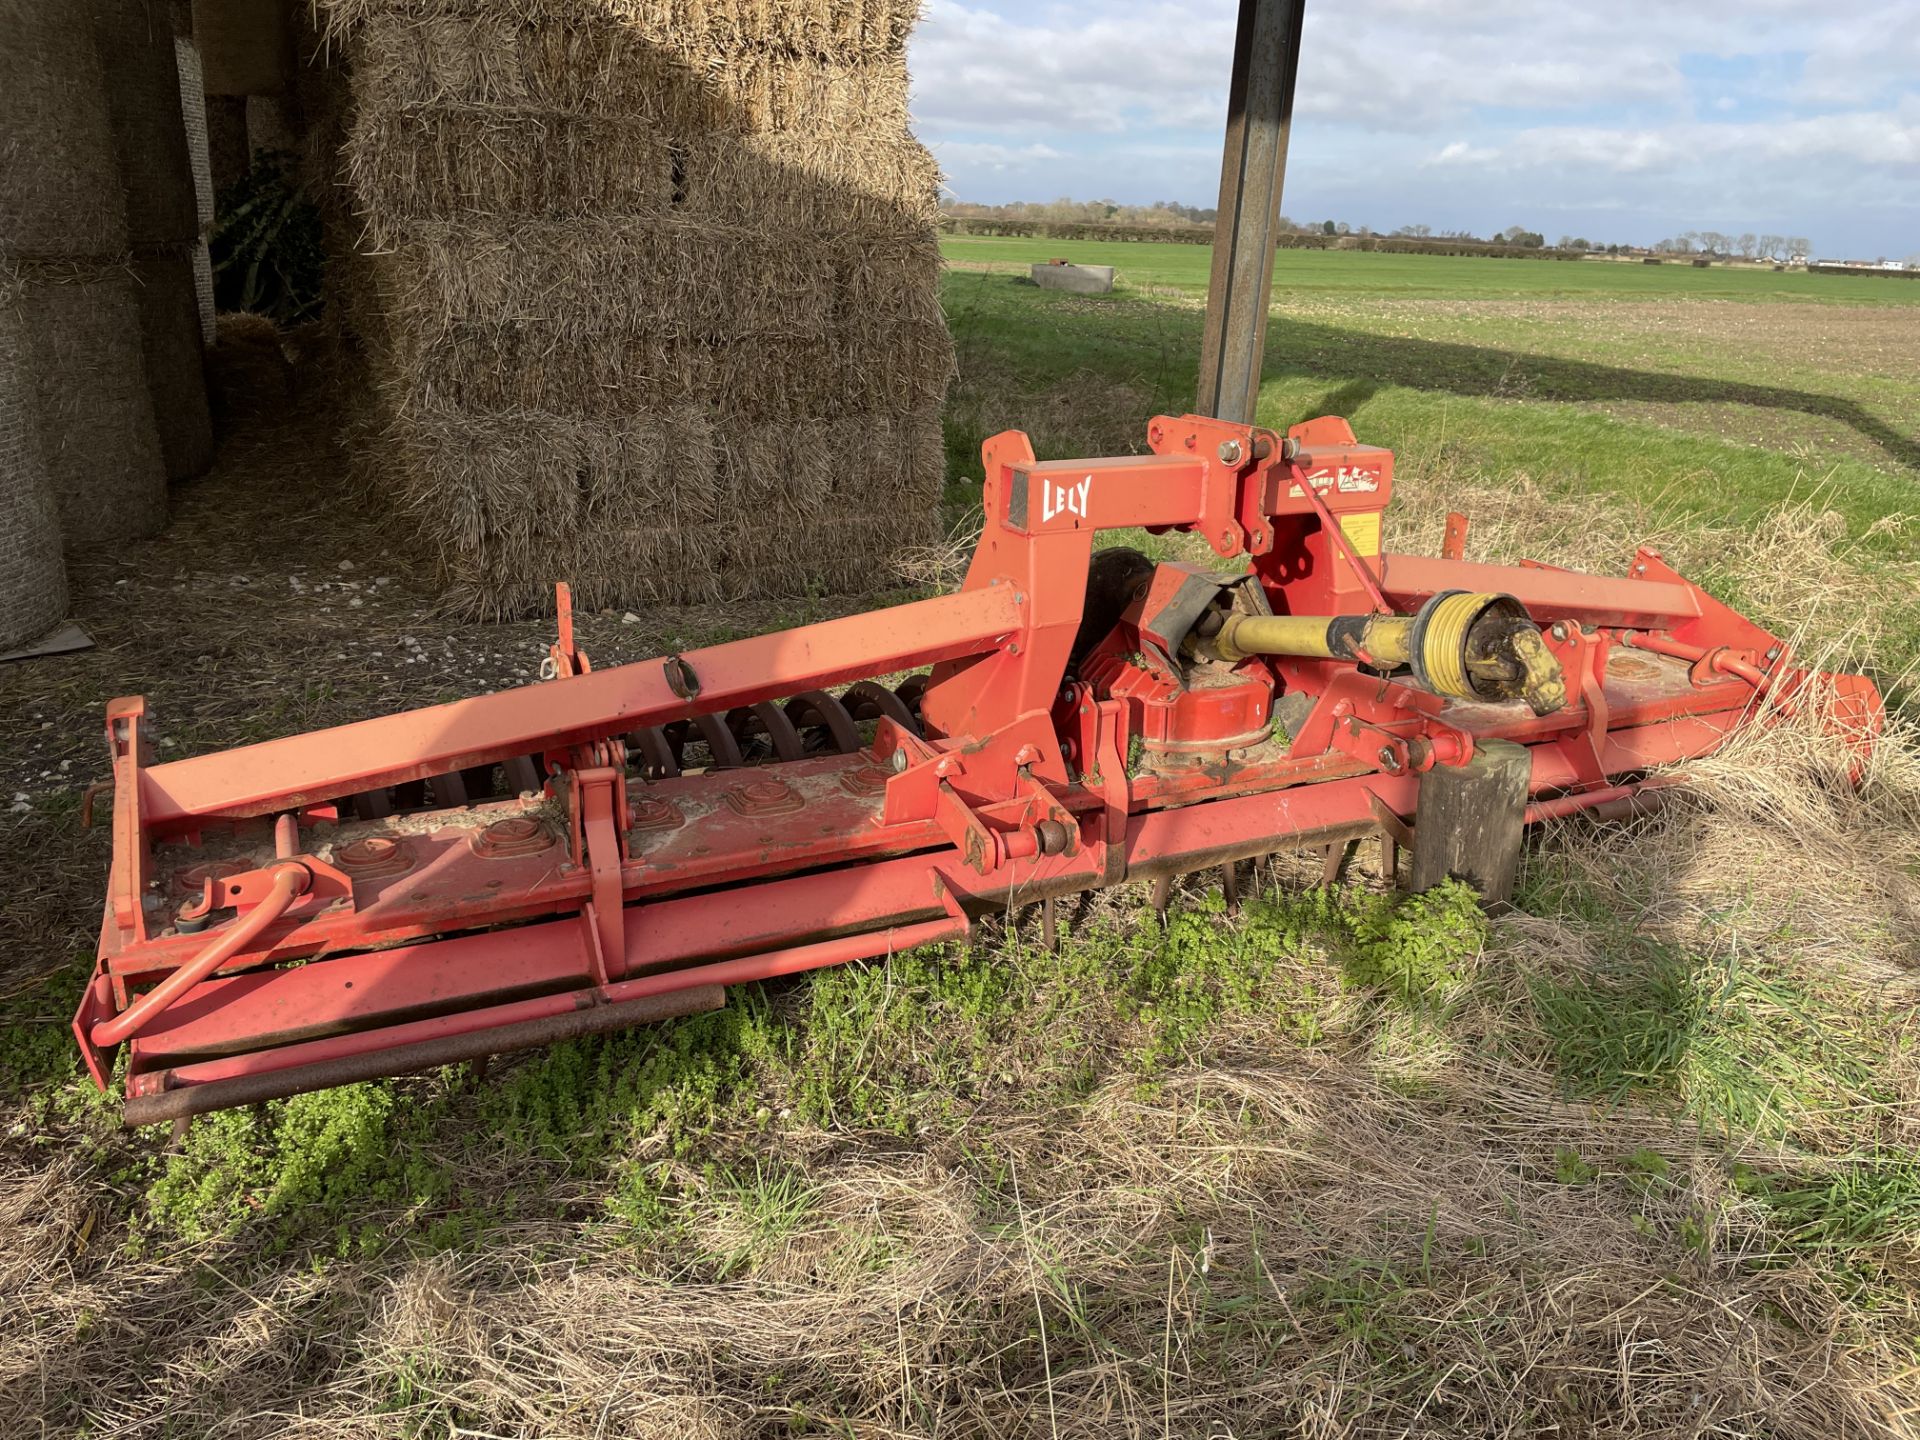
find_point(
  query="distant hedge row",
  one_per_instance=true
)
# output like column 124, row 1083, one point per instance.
column 1203, row 235
column 1077, row 230
column 1907, row 274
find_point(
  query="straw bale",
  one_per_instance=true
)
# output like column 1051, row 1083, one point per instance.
column 400, row 62
column 608, row 374
column 703, row 30
column 134, row 41
column 94, row 415
column 886, row 281
column 824, row 472
column 670, row 277
column 437, row 163
column 59, row 188
column 510, row 366
column 33, row 576
column 627, row 283
column 172, row 345
column 816, row 182
column 517, row 500
column 658, row 508
column 603, row 68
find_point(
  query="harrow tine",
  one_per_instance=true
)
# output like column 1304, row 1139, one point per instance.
column 657, row 760
column 818, row 710
column 1050, row 924
column 722, row 748
column 1336, row 862
column 867, row 699
column 1230, row 887
column 910, row 691
column 522, row 775
column 1162, row 897
column 450, row 790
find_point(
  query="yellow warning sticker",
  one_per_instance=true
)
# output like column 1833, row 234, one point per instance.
column 1362, row 529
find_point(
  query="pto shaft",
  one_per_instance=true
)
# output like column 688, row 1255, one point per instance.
column 1460, row 645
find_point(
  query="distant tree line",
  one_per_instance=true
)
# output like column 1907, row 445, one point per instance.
column 1168, row 220
column 1162, row 214
column 1715, row 246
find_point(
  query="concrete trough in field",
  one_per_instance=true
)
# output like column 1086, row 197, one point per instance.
column 1078, row 279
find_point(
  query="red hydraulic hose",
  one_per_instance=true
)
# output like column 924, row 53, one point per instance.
column 290, row 882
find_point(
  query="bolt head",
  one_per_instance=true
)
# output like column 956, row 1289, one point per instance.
column 1230, row 452
column 899, row 761
column 1559, row 630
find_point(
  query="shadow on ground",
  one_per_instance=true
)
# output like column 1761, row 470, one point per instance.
column 1159, row 344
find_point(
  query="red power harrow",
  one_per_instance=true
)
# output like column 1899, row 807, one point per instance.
column 619, row 846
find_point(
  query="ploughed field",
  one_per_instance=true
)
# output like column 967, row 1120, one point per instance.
column 1636, row 1157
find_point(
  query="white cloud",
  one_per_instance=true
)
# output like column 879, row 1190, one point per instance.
column 1760, row 113
column 1459, row 152
column 990, row 156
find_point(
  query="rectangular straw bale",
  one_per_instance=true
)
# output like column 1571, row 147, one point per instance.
column 639, row 565
column 807, row 472
column 831, row 375
column 591, row 273
column 493, row 62
column 702, row 30
column 431, row 163
column 628, row 291
column 812, row 183
column 841, row 555
column 769, row 92
column 494, row 483
column 508, row 366
column 885, row 281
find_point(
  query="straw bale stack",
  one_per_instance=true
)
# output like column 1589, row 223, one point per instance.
column 64, row 260
column 33, row 576
column 646, row 289
column 135, row 42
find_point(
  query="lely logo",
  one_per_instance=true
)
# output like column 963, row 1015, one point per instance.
column 1064, row 499
column 1347, row 479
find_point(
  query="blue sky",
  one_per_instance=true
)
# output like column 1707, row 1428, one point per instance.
column 1625, row 120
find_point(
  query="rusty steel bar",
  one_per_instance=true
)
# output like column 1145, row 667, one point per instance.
column 1266, row 60
column 1607, row 802
column 194, row 1100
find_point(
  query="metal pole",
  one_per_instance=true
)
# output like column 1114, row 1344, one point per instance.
column 1266, row 57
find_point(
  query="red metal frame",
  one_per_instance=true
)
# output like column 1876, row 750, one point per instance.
column 623, row 894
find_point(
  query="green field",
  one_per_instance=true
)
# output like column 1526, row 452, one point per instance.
column 1700, row 398
column 1342, row 272
column 1634, row 1157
